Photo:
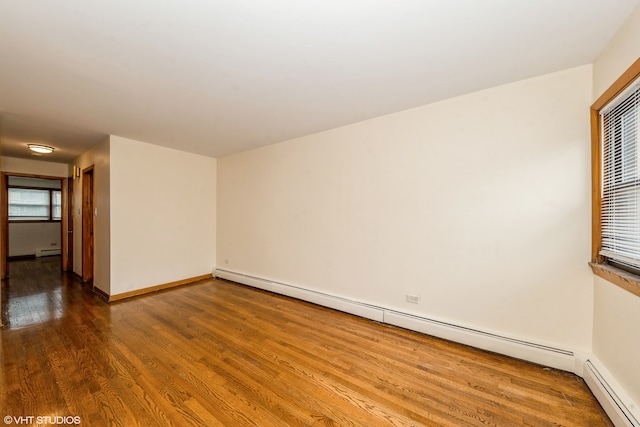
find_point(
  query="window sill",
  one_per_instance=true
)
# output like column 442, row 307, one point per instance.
column 627, row 281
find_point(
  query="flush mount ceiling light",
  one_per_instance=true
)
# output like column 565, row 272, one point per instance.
column 42, row 149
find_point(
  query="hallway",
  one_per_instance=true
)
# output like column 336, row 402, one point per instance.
column 37, row 292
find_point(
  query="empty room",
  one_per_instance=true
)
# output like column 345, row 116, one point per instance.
column 280, row 213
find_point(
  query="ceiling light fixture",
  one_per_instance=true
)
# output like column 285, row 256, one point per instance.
column 42, row 149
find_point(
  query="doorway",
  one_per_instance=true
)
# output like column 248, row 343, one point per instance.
column 88, row 212
column 55, row 212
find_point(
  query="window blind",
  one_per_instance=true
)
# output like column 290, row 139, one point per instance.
column 31, row 204
column 620, row 214
column 56, row 205
column 28, row 204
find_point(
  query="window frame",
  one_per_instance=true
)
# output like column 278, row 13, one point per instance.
column 35, row 221
column 600, row 266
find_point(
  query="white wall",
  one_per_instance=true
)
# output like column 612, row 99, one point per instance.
column 478, row 204
column 616, row 338
column 99, row 158
column 25, row 238
column 163, row 215
column 3, row 255
column 35, row 182
column 34, row 167
column 622, row 51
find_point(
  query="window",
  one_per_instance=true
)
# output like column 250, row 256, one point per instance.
column 56, row 205
column 620, row 207
column 615, row 126
column 34, row 204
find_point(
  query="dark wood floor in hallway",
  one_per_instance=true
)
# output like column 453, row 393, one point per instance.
column 217, row 353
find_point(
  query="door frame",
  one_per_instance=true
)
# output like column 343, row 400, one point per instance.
column 88, row 224
column 67, row 265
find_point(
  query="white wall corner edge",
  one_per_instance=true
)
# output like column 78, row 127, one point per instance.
column 622, row 410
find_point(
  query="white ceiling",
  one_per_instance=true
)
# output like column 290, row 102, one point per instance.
column 220, row 76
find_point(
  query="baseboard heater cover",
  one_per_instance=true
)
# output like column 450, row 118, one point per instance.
column 533, row 352
column 47, row 252
column 619, row 406
column 616, row 403
column 331, row 301
column 520, row 349
column 244, row 279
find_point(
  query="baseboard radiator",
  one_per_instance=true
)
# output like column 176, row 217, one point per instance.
column 616, row 403
column 47, row 252
column 620, row 410
column 545, row 355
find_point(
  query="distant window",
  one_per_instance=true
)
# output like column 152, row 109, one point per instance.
column 34, row 204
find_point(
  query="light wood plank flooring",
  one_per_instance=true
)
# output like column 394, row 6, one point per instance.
column 217, row 353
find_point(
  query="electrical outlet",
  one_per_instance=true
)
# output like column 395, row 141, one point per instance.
column 413, row 299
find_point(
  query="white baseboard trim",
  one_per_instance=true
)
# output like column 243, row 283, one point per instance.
column 622, row 410
column 618, row 405
column 544, row 355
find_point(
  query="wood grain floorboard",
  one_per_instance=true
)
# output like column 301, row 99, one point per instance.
column 216, row 353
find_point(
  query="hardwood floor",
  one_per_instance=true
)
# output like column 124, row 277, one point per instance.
column 217, row 353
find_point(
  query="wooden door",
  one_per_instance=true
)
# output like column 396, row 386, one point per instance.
column 88, row 211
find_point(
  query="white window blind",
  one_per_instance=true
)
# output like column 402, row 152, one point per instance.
column 56, row 205
column 27, row 204
column 620, row 213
